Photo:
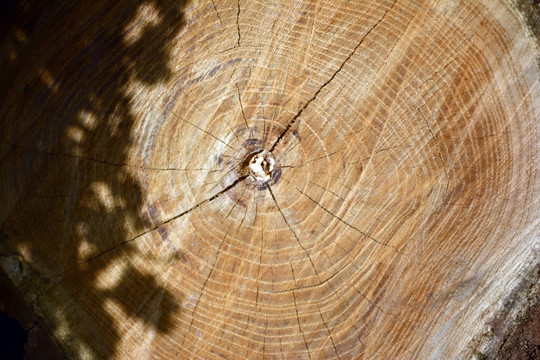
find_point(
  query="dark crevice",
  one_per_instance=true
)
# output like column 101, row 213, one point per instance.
column 238, row 22
column 293, row 120
column 13, row 337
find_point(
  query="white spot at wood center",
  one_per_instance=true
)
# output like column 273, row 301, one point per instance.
column 261, row 166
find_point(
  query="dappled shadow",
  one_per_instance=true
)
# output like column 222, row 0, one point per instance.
column 68, row 124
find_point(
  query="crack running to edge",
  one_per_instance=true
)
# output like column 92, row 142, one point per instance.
column 293, row 120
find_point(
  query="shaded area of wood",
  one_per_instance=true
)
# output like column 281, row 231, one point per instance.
column 64, row 158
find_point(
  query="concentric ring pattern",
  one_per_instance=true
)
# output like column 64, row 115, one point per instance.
column 403, row 203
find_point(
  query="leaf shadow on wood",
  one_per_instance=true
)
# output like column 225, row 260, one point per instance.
column 68, row 122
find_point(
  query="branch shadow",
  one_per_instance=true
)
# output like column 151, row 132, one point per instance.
column 68, row 120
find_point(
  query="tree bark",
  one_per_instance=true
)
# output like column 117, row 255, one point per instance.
column 249, row 180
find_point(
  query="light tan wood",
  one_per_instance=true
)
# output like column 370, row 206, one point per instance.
column 402, row 210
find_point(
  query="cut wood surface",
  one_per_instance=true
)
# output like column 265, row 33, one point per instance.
column 267, row 180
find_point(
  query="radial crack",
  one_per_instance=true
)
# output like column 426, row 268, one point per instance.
column 439, row 153
column 201, row 129
column 241, row 105
column 99, row 161
column 217, row 13
column 358, row 230
column 215, row 196
column 298, row 315
column 293, row 232
column 201, row 293
column 293, row 120
column 329, row 333
column 238, row 22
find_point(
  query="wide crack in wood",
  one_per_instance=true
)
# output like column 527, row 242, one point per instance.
column 293, row 120
column 237, row 22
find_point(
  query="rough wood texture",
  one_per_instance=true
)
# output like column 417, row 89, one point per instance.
column 402, row 210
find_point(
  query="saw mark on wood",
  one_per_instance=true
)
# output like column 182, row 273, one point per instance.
column 281, row 41
column 313, row 160
column 375, row 305
column 293, row 120
column 334, row 177
column 320, row 186
column 379, row 151
column 358, row 291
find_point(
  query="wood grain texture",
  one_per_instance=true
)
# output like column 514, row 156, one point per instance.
column 403, row 209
